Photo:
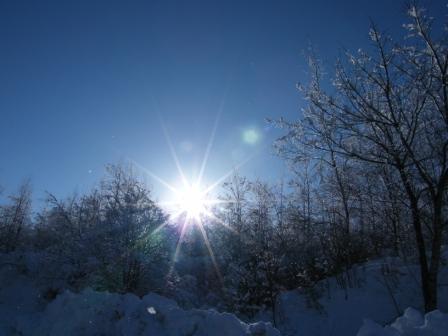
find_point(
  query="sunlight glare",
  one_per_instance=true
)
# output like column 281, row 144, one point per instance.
column 192, row 201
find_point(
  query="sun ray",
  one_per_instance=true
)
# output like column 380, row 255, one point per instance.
column 229, row 173
column 178, row 245
column 176, row 214
column 168, row 140
column 192, row 199
column 218, row 201
column 181, row 238
column 210, row 251
column 173, row 152
column 155, row 177
column 160, row 227
column 209, row 146
column 212, row 137
column 166, row 203
column 220, row 221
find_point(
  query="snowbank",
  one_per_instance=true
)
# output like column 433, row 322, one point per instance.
column 30, row 305
column 411, row 323
column 382, row 291
column 88, row 313
column 94, row 313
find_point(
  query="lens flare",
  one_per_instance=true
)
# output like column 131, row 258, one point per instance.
column 251, row 136
column 191, row 203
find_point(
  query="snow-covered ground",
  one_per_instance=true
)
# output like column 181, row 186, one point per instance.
column 27, row 308
column 412, row 323
column 93, row 313
column 383, row 291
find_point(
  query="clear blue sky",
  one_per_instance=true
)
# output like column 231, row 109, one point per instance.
column 82, row 82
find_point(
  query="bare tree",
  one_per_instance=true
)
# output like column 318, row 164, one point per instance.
column 14, row 217
column 389, row 108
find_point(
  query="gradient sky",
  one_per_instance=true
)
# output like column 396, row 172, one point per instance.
column 85, row 83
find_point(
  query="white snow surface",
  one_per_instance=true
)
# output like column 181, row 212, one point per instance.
column 94, row 313
column 375, row 296
column 101, row 313
column 412, row 323
column 25, row 311
column 361, row 310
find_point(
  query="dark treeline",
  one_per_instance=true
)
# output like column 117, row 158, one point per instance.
column 266, row 238
column 370, row 173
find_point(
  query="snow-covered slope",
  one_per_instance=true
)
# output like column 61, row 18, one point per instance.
column 383, row 290
column 98, row 313
column 411, row 323
column 30, row 307
column 93, row 313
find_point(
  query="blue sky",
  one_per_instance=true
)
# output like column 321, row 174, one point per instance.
column 86, row 83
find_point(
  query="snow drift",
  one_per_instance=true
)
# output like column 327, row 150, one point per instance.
column 382, row 291
column 34, row 304
column 98, row 313
column 29, row 308
column 411, row 323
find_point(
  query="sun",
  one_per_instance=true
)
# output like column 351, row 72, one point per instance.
column 192, row 201
column 192, row 204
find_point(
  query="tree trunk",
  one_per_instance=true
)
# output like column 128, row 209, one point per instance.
column 436, row 246
column 428, row 278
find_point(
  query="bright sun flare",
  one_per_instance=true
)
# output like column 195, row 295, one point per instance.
column 192, row 201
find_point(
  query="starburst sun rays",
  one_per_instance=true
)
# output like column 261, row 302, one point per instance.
column 192, row 204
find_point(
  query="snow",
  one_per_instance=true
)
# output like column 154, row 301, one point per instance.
column 25, row 311
column 98, row 313
column 411, row 323
column 375, row 296
column 366, row 309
